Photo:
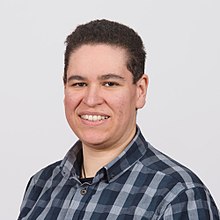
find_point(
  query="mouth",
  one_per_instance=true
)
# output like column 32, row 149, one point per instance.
column 94, row 117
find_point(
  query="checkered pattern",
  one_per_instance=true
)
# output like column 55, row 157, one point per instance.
column 141, row 183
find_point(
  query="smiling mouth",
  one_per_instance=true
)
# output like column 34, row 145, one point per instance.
column 94, row 117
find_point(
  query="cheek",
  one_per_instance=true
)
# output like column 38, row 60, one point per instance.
column 123, row 105
column 117, row 101
column 69, row 102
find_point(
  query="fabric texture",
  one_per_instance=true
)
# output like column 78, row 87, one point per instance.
column 141, row 183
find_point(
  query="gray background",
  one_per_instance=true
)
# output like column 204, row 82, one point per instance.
column 181, row 117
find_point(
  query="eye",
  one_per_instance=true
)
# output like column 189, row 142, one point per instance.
column 110, row 84
column 79, row 84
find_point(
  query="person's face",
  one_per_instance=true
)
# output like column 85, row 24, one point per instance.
column 100, row 97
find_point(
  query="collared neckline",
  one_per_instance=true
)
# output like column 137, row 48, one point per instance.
column 128, row 157
column 71, row 164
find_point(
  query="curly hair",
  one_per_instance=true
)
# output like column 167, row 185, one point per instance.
column 110, row 33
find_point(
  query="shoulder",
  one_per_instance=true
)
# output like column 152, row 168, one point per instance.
column 183, row 193
column 37, row 184
column 42, row 180
column 193, row 203
column 172, row 170
column 47, row 172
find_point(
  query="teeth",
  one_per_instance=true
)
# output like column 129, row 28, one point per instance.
column 93, row 117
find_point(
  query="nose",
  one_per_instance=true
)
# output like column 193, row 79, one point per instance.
column 93, row 96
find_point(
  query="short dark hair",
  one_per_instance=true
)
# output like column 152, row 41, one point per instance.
column 111, row 33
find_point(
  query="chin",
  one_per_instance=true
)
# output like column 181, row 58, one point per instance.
column 93, row 141
column 94, row 144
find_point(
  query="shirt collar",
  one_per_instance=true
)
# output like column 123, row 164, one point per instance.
column 131, row 154
column 70, row 165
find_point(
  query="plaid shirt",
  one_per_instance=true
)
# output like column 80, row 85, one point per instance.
column 141, row 183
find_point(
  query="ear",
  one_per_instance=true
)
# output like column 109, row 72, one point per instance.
column 141, row 92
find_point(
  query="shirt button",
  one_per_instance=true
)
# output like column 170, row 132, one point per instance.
column 83, row 191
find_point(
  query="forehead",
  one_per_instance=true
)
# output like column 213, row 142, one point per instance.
column 99, row 53
column 98, row 59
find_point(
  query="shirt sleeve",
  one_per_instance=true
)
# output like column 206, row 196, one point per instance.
column 192, row 204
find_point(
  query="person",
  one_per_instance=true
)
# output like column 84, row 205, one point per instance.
column 111, row 172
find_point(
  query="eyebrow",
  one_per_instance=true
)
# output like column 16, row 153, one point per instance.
column 76, row 77
column 111, row 76
column 103, row 77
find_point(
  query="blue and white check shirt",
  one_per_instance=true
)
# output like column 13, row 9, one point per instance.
column 141, row 183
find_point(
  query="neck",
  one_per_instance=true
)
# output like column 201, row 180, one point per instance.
column 94, row 158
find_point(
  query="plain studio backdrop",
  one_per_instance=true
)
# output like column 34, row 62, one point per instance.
column 181, row 117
